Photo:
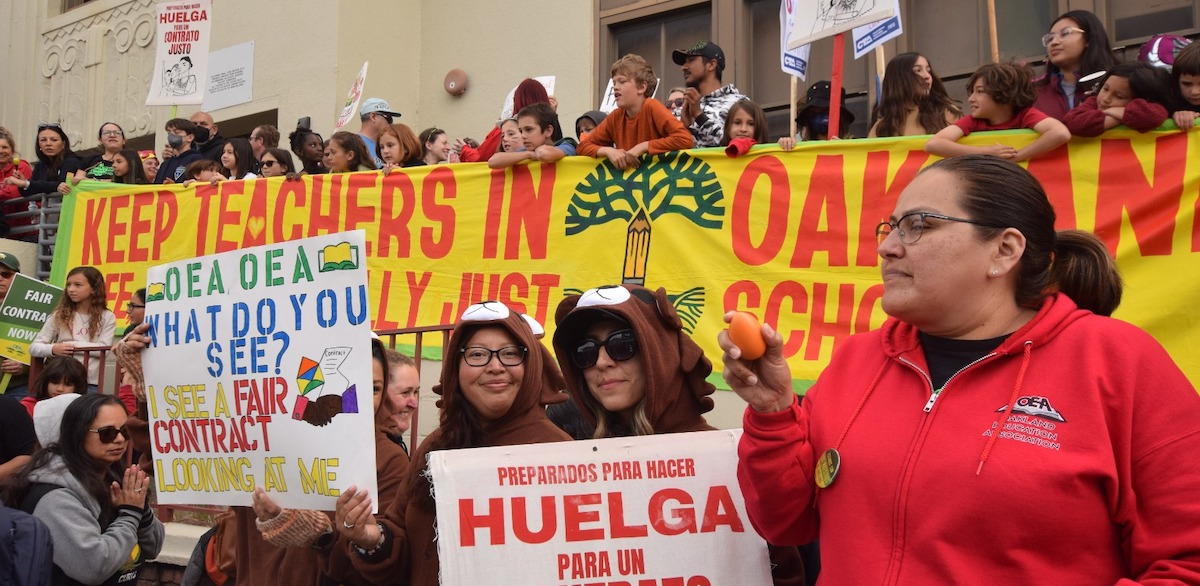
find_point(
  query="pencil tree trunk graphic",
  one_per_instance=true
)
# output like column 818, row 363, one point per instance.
column 637, row 250
column 670, row 183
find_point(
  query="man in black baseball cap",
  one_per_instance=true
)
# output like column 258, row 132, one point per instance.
column 706, row 102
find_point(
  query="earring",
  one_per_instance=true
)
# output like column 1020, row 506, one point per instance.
column 995, row 272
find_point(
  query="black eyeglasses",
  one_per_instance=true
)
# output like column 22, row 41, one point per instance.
column 132, row 306
column 44, row 125
column 109, row 434
column 480, row 356
column 621, row 345
column 911, row 226
column 7, row 274
column 676, row 103
column 267, row 164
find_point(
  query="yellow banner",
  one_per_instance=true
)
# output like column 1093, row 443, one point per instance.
column 787, row 236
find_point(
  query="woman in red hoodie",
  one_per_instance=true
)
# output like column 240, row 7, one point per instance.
column 998, row 428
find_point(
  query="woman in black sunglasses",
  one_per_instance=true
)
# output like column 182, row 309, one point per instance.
column 495, row 381
column 96, row 508
column 630, row 365
column 635, row 371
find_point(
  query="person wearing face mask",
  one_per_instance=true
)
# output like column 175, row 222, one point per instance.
column 182, row 133
column 812, row 121
column 209, row 141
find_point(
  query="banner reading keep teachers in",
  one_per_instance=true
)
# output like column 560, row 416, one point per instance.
column 787, row 236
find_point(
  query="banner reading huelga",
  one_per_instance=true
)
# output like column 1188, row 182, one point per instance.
column 788, row 236
column 181, row 60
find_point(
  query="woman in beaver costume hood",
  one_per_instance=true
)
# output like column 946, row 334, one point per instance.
column 634, row 371
column 497, row 378
column 630, row 365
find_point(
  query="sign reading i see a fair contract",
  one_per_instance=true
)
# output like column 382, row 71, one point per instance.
column 259, row 374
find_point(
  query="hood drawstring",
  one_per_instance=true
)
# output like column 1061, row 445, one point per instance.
column 1012, row 401
column 854, row 415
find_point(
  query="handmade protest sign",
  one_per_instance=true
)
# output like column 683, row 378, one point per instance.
column 662, row 509
column 30, row 303
column 181, row 59
column 259, row 374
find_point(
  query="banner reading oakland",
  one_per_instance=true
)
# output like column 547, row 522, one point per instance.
column 788, row 236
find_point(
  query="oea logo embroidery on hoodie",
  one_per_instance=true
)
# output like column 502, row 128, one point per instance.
column 1035, row 406
column 1032, row 422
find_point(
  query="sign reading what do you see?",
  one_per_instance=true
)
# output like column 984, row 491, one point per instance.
column 259, row 374
column 662, row 509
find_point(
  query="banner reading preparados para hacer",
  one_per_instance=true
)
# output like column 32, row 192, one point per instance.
column 641, row 510
column 259, row 374
column 788, row 236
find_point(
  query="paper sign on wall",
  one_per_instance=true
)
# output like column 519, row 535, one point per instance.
column 181, row 61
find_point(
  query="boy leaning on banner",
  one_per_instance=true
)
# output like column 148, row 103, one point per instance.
column 639, row 125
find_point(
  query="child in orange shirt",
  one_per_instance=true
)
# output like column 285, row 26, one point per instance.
column 639, row 125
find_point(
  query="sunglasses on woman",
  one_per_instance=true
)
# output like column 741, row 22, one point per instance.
column 621, row 345
column 109, row 434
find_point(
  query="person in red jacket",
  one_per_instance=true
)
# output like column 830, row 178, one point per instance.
column 1132, row 94
column 998, row 429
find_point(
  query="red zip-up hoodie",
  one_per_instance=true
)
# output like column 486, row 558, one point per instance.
column 1065, row 456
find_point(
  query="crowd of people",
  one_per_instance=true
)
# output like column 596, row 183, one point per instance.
column 997, row 384
column 1082, row 92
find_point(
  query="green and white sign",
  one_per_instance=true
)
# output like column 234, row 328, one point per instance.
column 24, row 311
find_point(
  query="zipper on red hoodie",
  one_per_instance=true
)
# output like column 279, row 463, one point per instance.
column 892, row 573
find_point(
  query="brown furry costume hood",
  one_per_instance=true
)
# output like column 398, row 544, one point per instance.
column 677, row 389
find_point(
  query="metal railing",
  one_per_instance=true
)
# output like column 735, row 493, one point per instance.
column 36, row 221
column 389, row 338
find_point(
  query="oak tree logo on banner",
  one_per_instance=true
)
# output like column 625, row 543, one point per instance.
column 670, row 183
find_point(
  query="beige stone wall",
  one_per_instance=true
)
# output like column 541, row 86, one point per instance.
column 499, row 43
column 93, row 63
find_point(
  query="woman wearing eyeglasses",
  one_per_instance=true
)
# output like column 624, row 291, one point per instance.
column 998, row 428
column 634, row 371
column 99, row 167
column 95, row 508
column 496, row 381
column 1076, row 46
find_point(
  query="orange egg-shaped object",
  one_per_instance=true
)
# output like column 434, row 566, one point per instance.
column 746, row 332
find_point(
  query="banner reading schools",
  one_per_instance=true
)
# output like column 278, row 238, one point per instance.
column 621, row 511
column 259, row 374
column 789, row 236
column 181, row 60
